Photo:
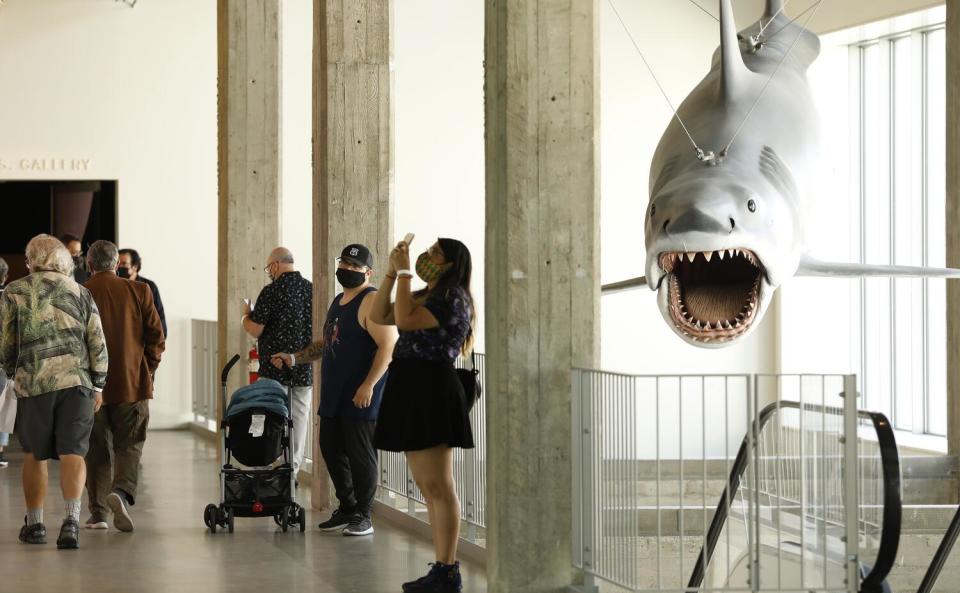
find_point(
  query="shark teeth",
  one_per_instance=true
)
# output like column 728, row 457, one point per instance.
column 687, row 272
column 669, row 259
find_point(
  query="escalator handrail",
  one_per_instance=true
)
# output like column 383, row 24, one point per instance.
column 940, row 558
column 892, row 504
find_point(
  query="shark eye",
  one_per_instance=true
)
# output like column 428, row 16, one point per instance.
column 653, row 210
column 751, row 205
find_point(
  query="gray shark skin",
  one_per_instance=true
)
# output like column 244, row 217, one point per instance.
column 723, row 230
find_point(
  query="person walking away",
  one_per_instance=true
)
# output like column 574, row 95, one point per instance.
column 54, row 350
column 135, row 341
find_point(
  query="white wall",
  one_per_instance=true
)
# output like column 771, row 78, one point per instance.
column 134, row 91
column 438, row 126
column 678, row 41
column 296, row 231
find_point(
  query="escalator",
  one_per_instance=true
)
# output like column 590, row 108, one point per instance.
column 781, row 518
column 940, row 557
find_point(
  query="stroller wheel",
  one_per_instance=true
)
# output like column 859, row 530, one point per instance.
column 229, row 520
column 210, row 517
column 302, row 519
column 285, row 520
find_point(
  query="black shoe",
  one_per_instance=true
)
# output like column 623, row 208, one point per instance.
column 442, row 578
column 33, row 534
column 69, row 535
column 338, row 521
column 3, row 460
column 360, row 525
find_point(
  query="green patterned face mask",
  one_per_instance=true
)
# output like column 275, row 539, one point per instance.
column 429, row 271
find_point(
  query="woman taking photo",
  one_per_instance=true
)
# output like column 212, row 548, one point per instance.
column 424, row 412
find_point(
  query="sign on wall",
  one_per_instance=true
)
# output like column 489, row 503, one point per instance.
column 44, row 164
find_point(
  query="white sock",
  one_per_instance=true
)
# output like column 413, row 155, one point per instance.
column 34, row 516
column 73, row 509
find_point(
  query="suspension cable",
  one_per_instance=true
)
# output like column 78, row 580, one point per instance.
column 792, row 21
column 704, row 10
column 657, row 81
column 773, row 18
column 726, row 148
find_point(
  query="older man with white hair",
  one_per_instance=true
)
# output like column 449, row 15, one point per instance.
column 52, row 347
column 281, row 321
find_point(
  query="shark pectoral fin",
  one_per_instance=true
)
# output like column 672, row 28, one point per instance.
column 624, row 285
column 814, row 267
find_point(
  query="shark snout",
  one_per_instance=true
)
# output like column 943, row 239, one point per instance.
column 695, row 220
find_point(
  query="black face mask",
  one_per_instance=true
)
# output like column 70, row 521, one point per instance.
column 123, row 272
column 349, row 278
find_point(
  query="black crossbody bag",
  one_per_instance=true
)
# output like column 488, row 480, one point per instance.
column 470, row 380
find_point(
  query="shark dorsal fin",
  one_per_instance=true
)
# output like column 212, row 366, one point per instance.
column 773, row 7
column 733, row 72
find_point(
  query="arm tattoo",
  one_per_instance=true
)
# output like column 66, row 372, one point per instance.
column 311, row 353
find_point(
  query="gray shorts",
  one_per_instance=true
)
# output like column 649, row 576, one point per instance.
column 55, row 424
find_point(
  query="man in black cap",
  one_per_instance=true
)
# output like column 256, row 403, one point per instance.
column 355, row 354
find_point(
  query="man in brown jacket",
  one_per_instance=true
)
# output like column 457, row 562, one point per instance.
column 135, row 342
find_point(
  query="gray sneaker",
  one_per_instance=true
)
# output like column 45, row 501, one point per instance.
column 360, row 525
column 121, row 517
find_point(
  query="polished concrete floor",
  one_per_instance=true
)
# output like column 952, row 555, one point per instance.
column 171, row 550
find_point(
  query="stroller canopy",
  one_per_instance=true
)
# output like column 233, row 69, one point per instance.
column 265, row 394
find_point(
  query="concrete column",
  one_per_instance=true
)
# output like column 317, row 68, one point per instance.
column 248, row 114
column 352, row 151
column 542, row 276
column 953, row 224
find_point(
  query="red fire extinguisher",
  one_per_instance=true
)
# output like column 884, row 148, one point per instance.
column 253, row 364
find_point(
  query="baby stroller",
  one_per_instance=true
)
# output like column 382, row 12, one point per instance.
column 255, row 431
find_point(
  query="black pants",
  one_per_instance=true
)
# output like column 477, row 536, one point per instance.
column 347, row 448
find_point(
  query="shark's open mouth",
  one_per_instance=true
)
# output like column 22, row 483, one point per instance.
column 713, row 295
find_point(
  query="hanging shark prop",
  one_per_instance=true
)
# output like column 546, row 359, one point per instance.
column 728, row 184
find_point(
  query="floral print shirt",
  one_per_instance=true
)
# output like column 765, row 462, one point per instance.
column 453, row 309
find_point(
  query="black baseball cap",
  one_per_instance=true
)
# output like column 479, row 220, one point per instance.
column 357, row 255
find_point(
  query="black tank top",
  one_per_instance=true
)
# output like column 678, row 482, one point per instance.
column 348, row 355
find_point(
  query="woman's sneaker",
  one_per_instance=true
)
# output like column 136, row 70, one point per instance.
column 3, row 460
column 69, row 535
column 360, row 525
column 338, row 521
column 33, row 534
column 442, row 578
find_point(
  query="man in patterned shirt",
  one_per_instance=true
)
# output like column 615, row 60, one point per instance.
column 52, row 346
column 281, row 320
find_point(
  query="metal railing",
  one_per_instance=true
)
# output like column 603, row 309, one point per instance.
column 205, row 374
column 652, row 454
column 398, row 489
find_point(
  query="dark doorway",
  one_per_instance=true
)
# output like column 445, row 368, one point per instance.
column 85, row 209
